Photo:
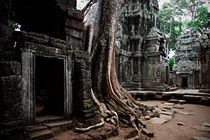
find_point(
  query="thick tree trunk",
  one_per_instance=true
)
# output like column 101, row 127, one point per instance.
column 113, row 99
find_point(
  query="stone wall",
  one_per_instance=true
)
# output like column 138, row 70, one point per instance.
column 140, row 46
column 18, row 51
column 187, row 64
column 203, row 50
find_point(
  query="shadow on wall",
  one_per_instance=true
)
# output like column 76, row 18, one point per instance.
column 41, row 16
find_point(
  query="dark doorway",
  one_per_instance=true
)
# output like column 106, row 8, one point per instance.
column 184, row 82
column 49, row 86
column 167, row 74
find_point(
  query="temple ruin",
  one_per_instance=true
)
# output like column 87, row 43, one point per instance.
column 142, row 53
column 187, row 67
column 46, row 72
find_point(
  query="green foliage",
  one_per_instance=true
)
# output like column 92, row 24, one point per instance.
column 200, row 21
column 171, row 18
column 87, row 105
column 10, row 24
column 4, row 133
column 171, row 63
column 145, row 10
column 146, row 53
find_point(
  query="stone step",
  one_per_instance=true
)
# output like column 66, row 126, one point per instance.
column 199, row 94
column 48, row 129
column 45, row 119
column 36, row 128
column 59, row 124
column 192, row 97
column 41, row 135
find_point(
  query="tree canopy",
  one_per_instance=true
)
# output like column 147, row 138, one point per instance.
column 179, row 14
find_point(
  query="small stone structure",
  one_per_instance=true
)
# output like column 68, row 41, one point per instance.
column 203, row 50
column 187, row 65
column 48, row 71
column 141, row 51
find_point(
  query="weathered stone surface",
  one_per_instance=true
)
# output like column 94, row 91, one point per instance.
column 183, row 113
column 11, row 105
column 138, row 37
column 203, row 50
column 180, row 123
column 147, row 117
column 162, row 119
column 177, row 107
column 147, row 132
column 10, row 68
column 202, row 128
column 169, row 104
column 187, row 66
column 10, row 83
column 173, row 101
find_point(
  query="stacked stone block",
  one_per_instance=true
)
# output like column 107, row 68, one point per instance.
column 203, row 50
column 83, row 103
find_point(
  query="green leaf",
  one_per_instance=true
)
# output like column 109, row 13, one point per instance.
column 10, row 24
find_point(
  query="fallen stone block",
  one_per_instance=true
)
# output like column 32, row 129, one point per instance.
column 167, row 113
column 173, row 101
column 206, row 124
column 202, row 128
column 162, row 119
column 177, row 107
column 169, row 104
column 192, row 97
column 147, row 117
column 147, row 132
column 166, row 107
column 180, row 123
column 182, row 101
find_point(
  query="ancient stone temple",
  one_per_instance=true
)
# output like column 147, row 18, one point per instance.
column 45, row 70
column 187, row 64
column 141, row 54
column 203, row 50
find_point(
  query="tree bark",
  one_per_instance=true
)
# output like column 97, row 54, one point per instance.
column 113, row 99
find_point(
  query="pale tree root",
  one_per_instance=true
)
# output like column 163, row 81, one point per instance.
column 109, row 115
column 85, row 129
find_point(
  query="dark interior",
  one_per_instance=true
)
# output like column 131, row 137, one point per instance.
column 184, row 82
column 49, row 83
column 40, row 16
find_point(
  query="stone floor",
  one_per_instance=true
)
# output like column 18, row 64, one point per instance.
column 184, row 121
column 189, row 95
column 178, row 119
column 176, row 122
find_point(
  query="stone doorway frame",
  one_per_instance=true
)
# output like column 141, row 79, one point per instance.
column 28, row 77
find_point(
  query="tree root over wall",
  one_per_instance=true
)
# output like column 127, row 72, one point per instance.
column 117, row 106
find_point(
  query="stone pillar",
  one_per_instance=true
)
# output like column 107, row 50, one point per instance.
column 83, row 106
column 11, row 109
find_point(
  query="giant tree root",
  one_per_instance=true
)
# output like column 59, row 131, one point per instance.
column 118, row 105
column 90, row 127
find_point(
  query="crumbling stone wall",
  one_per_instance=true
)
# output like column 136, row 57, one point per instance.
column 187, row 64
column 18, row 62
column 134, row 59
column 203, row 50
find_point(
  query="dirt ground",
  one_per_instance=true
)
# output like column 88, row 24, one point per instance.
column 194, row 115
column 191, row 116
